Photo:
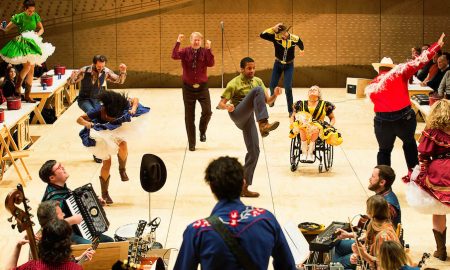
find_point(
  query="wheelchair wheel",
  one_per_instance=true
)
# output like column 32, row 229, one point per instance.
column 328, row 156
column 295, row 152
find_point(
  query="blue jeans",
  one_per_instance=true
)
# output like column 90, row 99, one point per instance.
column 342, row 253
column 78, row 239
column 288, row 70
column 88, row 104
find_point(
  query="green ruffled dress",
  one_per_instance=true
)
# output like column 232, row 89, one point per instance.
column 28, row 46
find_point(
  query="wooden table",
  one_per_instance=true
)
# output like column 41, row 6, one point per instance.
column 416, row 88
column 9, row 150
column 58, row 90
column 423, row 110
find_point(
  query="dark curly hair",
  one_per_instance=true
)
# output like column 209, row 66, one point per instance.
column 28, row 3
column 114, row 103
column 46, row 170
column 225, row 176
column 54, row 247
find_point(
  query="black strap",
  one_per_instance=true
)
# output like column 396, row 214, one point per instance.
column 50, row 195
column 238, row 251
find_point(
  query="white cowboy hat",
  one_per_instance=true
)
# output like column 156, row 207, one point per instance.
column 385, row 62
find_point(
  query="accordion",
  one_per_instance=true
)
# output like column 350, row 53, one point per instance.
column 421, row 99
column 84, row 201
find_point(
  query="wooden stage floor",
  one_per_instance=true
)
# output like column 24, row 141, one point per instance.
column 304, row 195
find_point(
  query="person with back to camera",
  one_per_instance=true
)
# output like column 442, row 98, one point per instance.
column 259, row 235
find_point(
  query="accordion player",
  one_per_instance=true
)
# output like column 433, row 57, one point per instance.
column 84, row 201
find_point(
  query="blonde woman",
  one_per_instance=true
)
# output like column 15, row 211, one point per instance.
column 392, row 256
column 433, row 193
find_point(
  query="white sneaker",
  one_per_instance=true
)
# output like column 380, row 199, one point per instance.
column 310, row 158
column 304, row 154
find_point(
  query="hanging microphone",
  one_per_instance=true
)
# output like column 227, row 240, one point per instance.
column 221, row 24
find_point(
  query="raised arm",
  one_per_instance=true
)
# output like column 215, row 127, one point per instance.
column 269, row 33
column 8, row 27
column 12, row 262
column 114, row 78
column 177, row 54
column 209, row 56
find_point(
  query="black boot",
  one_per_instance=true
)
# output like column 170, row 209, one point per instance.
column 104, row 184
column 122, row 169
column 440, row 238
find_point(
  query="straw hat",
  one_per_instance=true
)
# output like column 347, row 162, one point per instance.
column 385, row 62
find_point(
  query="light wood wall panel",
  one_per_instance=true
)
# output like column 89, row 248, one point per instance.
column 235, row 18
column 401, row 28
column 436, row 21
column 315, row 23
column 178, row 17
column 138, row 40
column 94, row 26
column 341, row 38
column 262, row 15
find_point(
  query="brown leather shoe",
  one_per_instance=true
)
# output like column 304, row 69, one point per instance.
column 265, row 127
column 247, row 193
column 104, row 184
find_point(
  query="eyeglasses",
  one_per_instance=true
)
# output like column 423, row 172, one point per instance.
column 60, row 166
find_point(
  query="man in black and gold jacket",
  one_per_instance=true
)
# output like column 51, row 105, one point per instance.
column 284, row 43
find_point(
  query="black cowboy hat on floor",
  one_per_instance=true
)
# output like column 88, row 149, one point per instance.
column 153, row 173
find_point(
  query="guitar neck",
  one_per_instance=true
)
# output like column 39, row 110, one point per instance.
column 33, row 246
column 94, row 246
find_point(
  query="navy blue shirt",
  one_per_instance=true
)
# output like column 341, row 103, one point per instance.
column 256, row 229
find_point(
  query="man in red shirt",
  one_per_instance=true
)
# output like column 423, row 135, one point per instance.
column 195, row 60
column 393, row 114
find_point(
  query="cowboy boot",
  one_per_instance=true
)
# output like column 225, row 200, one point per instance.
column 265, row 127
column 304, row 154
column 27, row 93
column 440, row 238
column 18, row 86
column 247, row 193
column 104, row 184
column 122, row 169
column 311, row 148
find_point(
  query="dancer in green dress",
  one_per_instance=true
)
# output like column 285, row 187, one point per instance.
column 27, row 48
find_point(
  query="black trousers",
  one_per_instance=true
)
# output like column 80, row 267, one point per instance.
column 190, row 97
column 403, row 128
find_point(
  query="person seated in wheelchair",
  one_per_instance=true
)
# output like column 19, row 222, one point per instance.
column 308, row 120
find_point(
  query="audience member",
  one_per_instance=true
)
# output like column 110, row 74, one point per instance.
column 392, row 256
column 443, row 66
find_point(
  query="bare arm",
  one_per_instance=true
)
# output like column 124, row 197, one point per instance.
column 134, row 104
column 75, row 219
column 8, row 27
column 41, row 29
column 113, row 77
column 12, row 262
column 85, row 121
column 271, row 99
column 224, row 106
column 332, row 119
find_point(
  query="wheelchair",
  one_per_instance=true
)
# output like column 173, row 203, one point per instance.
column 322, row 152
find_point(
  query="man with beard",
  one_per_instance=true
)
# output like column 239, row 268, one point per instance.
column 380, row 182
